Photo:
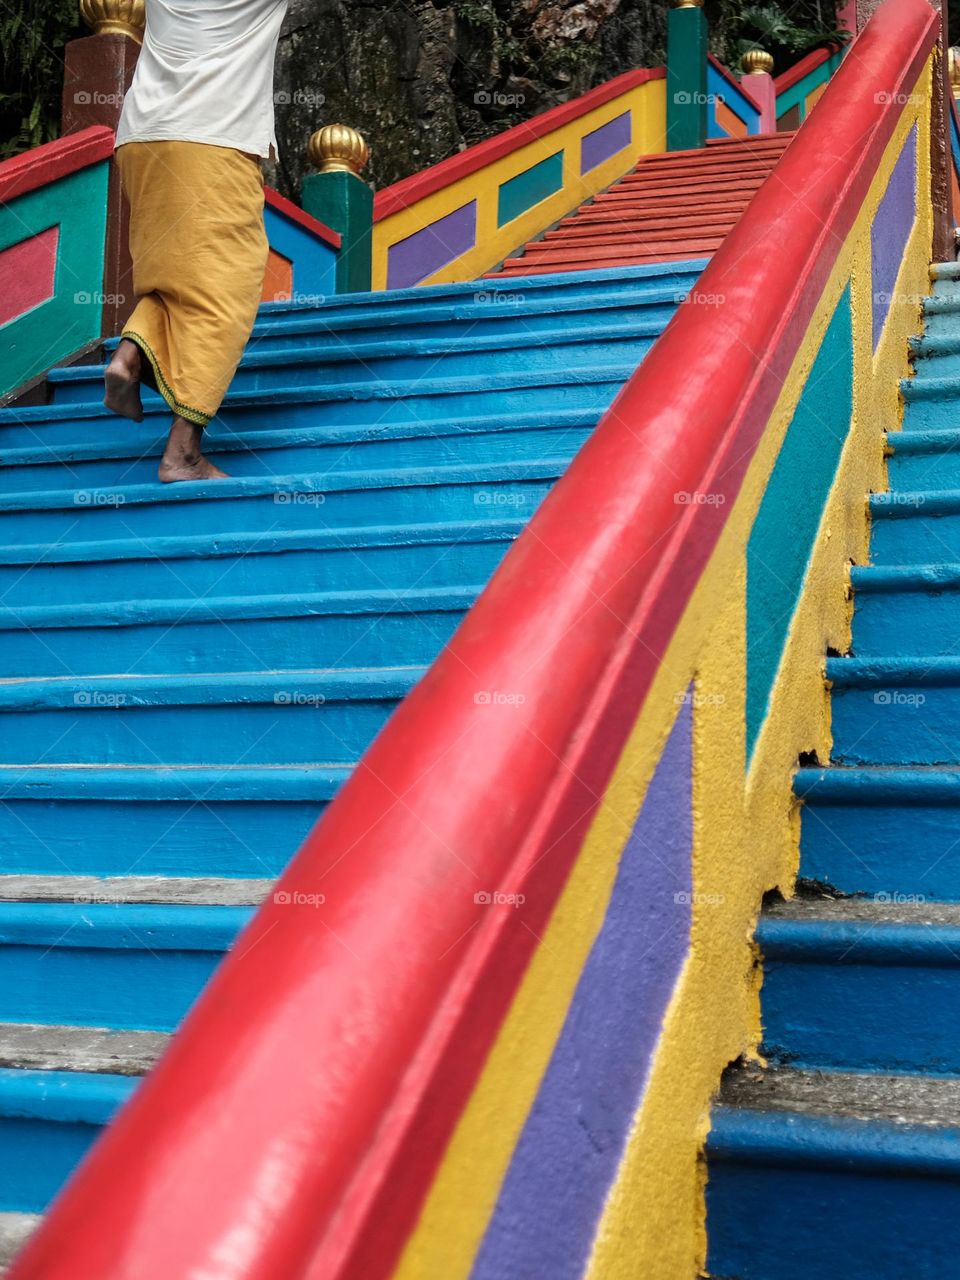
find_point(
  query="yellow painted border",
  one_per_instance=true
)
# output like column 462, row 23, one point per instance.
column 746, row 827
column 748, row 843
column 647, row 105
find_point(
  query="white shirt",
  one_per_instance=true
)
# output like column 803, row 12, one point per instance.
column 205, row 74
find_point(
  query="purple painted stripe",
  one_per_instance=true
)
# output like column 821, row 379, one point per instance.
column 573, row 1141
column 605, row 142
column 890, row 232
column 411, row 260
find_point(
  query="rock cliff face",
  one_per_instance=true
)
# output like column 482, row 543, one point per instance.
column 421, row 79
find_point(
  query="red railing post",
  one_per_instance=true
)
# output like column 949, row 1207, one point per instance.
column 98, row 70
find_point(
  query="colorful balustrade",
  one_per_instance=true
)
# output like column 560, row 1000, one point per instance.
column 462, row 216
column 485, row 1042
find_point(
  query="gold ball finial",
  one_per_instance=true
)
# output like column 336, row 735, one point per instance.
column 687, row 4
column 115, row 17
column 756, row 62
column 953, row 62
column 336, row 148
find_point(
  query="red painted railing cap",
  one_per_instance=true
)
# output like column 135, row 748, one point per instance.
column 293, row 211
column 45, row 164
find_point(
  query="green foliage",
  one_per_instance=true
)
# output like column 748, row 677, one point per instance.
column 785, row 36
column 32, row 36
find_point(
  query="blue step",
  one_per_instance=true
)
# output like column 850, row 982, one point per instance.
column 131, row 966
column 931, row 402
column 232, row 634
column 924, row 461
column 158, row 820
column 432, row 404
column 404, row 362
column 131, row 459
column 48, row 1122
column 895, row 710
column 581, row 298
column 288, row 717
column 842, row 1177
column 915, row 526
column 894, row 606
column 191, row 672
column 305, row 562
column 892, row 831
column 862, row 985
column 481, row 491
column 652, row 284
column 936, row 355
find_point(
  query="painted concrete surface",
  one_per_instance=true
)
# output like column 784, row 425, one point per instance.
column 573, row 1141
column 127, row 868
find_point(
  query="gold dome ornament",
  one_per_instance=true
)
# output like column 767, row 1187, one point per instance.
column 756, row 62
column 115, row 17
column 687, row 4
column 336, row 148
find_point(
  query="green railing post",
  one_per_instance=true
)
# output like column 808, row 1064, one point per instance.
column 338, row 196
column 686, row 76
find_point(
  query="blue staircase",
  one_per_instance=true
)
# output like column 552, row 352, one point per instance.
column 189, row 672
column 842, row 1159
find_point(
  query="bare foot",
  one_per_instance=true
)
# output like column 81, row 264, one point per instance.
column 197, row 468
column 122, row 382
column 182, row 459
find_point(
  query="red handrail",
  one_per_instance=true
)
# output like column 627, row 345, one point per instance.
column 295, row 1124
column 793, row 75
column 54, row 160
column 281, row 204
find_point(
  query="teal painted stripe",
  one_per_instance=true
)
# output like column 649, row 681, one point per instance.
column 797, row 93
column 786, row 524
column 529, row 188
column 78, row 205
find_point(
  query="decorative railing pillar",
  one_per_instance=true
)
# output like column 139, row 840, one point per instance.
column 98, row 70
column 686, row 76
column 758, row 80
column 338, row 196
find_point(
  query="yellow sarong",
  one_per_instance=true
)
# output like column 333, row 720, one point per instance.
column 199, row 252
